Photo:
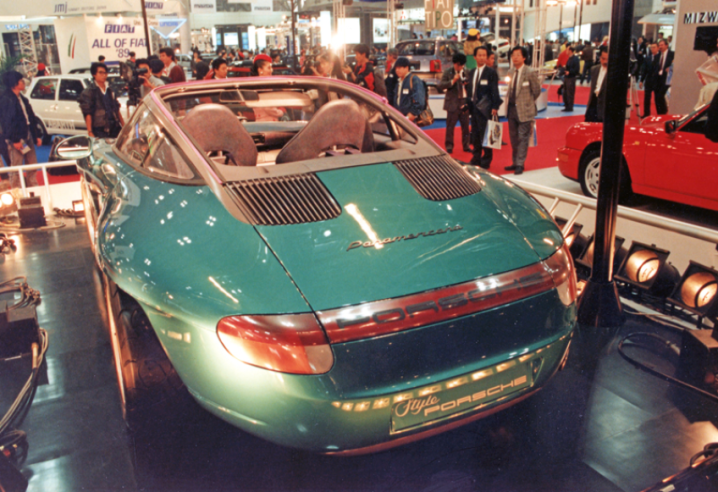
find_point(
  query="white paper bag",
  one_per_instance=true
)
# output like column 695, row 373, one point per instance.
column 493, row 135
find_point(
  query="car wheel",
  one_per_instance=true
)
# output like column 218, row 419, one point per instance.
column 588, row 177
column 154, row 393
column 588, row 173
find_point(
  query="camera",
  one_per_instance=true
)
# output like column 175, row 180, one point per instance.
column 134, row 79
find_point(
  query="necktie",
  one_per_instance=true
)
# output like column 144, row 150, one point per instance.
column 513, row 86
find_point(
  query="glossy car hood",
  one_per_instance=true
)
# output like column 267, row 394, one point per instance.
column 426, row 244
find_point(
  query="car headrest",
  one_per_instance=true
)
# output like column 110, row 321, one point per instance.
column 337, row 123
column 217, row 129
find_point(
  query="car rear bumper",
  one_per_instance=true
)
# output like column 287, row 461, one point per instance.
column 568, row 162
column 449, row 374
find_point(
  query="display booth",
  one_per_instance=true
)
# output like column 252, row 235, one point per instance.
column 695, row 40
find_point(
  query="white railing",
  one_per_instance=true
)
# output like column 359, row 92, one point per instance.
column 34, row 167
column 664, row 223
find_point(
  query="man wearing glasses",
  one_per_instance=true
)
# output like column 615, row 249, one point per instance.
column 100, row 107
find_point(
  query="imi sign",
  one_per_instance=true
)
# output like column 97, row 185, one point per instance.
column 439, row 14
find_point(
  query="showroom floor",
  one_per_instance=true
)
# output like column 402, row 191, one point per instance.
column 622, row 429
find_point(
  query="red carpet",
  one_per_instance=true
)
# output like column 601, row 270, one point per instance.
column 551, row 134
column 57, row 179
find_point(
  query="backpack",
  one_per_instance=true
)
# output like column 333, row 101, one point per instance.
column 426, row 117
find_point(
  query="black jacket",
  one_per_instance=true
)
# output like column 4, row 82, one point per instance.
column 453, row 100
column 487, row 92
column 652, row 78
column 92, row 103
column 12, row 120
column 573, row 67
column 712, row 122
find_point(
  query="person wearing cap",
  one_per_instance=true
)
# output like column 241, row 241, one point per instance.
column 42, row 70
column 472, row 42
column 409, row 96
column 262, row 66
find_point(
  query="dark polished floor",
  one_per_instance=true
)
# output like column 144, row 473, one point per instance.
column 616, row 429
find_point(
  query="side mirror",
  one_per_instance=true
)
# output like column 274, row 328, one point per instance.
column 670, row 126
column 74, row 148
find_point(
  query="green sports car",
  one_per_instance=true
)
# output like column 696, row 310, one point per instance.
column 317, row 271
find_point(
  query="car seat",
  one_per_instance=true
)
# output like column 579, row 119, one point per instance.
column 337, row 124
column 216, row 129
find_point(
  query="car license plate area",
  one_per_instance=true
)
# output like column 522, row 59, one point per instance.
column 463, row 395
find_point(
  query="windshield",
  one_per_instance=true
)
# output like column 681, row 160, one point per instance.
column 687, row 117
column 418, row 48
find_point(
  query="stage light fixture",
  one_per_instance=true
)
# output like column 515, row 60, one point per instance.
column 575, row 241
column 584, row 261
column 697, row 291
column 646, row 268
column 78, row 206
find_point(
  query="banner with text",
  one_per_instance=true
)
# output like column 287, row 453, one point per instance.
column 439, row 14
column 114, row 38
column 204, row 6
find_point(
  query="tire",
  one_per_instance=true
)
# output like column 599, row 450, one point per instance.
column 588, row 177
column 155, row 395
column 588, row 173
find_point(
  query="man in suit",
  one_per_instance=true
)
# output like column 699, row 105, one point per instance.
column 484, row 102
column 648, row 78
column 664, row 62
column 452, row 81
column 570, row 72
column 597, row 96
column 524, row 89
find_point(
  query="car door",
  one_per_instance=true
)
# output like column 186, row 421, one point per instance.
column 696, row 159
column 43, row 99
column 69, row 120
column 683, row 161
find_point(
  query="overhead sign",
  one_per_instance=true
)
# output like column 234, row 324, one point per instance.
column 165, row 27
column 114, row 38
column 700, row 17
column 439, row 14
column 204, row 6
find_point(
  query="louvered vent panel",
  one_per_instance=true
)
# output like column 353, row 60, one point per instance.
column 285, row 200
column 438, row 178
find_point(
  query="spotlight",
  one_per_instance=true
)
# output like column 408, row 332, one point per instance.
column 645, row 267
column 78, row 207
column 697, row 291
column 584, row 263
column 7, row 199
column 574, row 240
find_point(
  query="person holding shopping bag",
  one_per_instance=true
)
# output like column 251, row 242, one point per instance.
column 484, row 102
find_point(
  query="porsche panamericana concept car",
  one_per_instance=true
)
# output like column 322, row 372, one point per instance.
column 318, row 272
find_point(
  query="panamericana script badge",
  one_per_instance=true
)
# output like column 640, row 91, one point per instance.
column 389, row 240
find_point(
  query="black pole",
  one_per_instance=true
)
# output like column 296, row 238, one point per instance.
column 294, row 43
column 147, row 28
column 599, row 306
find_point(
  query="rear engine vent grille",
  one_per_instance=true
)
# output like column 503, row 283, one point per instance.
column 285, row 200
column 438, row 178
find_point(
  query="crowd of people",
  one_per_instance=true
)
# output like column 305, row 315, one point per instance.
column 470, row 86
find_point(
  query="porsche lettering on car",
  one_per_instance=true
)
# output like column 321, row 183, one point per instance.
column 315, row 270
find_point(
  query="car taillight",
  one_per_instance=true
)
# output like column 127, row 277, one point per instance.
column 560, row 266
column 291, row 343
column 435, row 66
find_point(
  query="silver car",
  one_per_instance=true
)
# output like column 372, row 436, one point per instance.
column 429, row 57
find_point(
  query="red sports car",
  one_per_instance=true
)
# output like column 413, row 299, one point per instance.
column 666, row 157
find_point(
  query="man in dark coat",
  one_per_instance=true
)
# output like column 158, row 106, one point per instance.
column 587, row 55
column 19, row 125
column 597, row 96
column 662, row 65
column 484, row 102
column 99, row 106
column 570, row 72
column 452, row 81
column 712, row 121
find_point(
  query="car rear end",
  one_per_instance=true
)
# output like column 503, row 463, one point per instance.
column 422, row 315
column 426, row 58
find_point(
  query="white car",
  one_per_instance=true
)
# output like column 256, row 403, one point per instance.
column 501, row 47
column 54, row 101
